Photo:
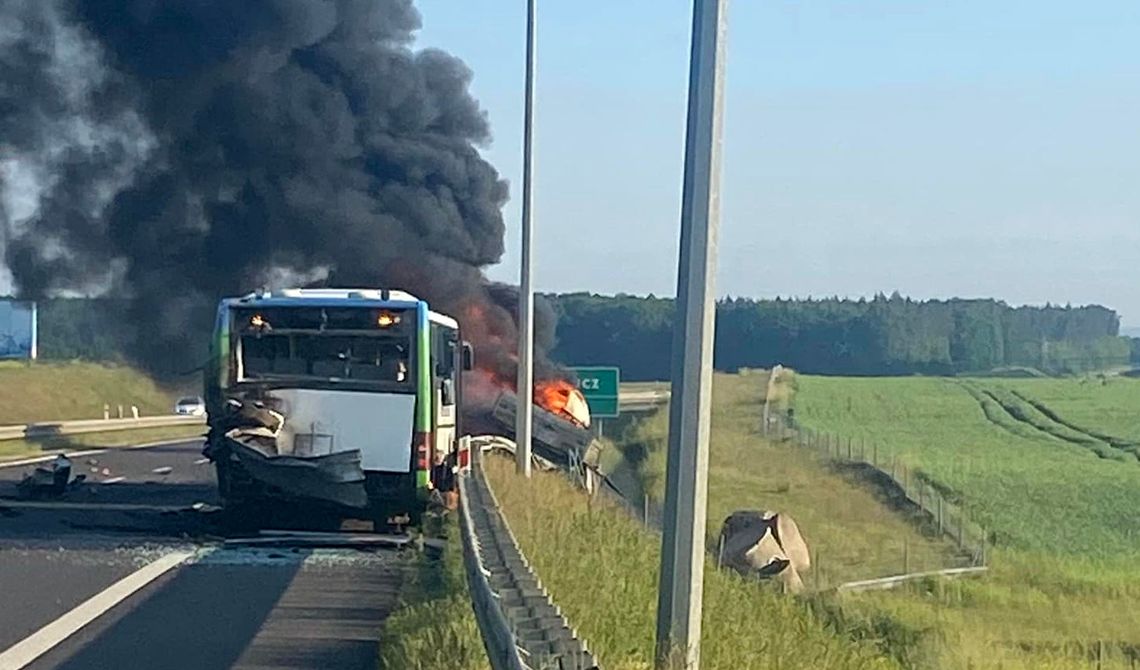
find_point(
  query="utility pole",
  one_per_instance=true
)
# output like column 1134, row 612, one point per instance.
column 682, row 543
column 525, row 385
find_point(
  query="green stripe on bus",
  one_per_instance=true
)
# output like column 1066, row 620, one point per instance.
column 424, row 396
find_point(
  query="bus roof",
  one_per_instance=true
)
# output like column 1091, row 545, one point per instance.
column 357, row 297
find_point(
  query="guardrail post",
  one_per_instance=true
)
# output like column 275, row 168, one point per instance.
column 120, row 411
column 106, row 412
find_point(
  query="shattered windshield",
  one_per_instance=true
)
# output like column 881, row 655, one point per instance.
column 368, row 358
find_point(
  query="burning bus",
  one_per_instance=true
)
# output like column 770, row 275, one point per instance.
column 344, row 397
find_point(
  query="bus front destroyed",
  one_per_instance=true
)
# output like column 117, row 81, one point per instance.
column 345, row 397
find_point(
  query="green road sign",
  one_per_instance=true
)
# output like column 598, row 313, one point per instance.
column 599, row 385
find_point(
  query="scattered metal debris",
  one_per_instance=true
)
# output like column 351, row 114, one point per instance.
column 50, row 481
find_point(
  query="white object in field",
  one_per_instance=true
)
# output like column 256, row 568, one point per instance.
column 323, row 422
column 577, row 407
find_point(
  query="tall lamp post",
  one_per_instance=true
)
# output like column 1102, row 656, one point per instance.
column 525, row 385
column 682, row 543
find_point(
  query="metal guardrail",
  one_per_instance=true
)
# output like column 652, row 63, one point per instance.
column 46, row 429
column 642, row 401
column 522, row 629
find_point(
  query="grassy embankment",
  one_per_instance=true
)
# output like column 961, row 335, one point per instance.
column 434, row 628
column 1060, row 504
column 601, row 568
column 45, row 391
column 852, row 526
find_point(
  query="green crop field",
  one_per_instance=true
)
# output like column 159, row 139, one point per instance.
column 1048, row 467
column 1012, row 476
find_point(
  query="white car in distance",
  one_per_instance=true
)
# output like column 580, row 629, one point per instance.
column 190, row 406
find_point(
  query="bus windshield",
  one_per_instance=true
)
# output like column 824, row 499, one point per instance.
column 364, row 358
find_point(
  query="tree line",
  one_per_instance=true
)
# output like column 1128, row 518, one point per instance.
column 882, row 336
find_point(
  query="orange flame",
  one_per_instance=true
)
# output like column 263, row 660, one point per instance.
column 563, row 399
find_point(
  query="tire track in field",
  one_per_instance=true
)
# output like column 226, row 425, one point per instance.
column 1002, row 411
column 999, row 416
column 1111, row 440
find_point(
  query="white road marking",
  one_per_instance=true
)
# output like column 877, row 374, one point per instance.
column 90, row 452
column 37, row 644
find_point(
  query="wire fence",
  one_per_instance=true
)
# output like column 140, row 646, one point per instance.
column 949, row 517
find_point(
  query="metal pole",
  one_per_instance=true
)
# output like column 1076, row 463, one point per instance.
column 682, row 541
column 523, row 422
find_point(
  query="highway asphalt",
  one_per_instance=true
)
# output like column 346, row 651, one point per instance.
column 132, row 570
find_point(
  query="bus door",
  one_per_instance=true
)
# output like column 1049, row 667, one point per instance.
column 445, row 410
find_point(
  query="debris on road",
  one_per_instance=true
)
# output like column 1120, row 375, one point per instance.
column 50, row 481
column 106, row 472
column 112, row 480
column 201, row 461
column 164, row 470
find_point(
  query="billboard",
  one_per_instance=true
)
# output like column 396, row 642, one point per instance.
column 17, row 329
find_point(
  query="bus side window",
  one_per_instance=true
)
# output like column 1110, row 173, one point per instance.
column 443, row 359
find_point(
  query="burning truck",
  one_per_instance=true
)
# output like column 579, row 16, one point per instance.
column 561, row 418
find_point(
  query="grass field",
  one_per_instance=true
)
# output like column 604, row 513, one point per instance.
column 1111, row 406
column 1009, row 481
column 850, row 524
column 601, row 568
column 44, row 391
column 1065, row 574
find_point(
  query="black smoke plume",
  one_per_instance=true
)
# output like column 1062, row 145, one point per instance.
column 177, row 152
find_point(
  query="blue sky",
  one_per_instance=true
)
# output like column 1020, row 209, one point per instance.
column 941, row 148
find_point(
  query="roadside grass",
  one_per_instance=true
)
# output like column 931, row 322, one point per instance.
column 50, row 390
column 1064, row 585
column 601, row 567
column 434, row 627
column 854, row 527
column 18, row 449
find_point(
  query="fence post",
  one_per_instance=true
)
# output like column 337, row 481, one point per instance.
column 921, row 496
column 961, row 524
column 863, row 450
column 120, row 411
column 106, row 412
column 875, row 458
column 906, row 556
column 940, row 530
column 848, row 448
column 645, row 511
column 720, row 551
column 906, row 480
